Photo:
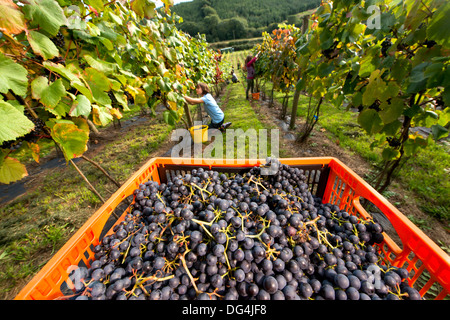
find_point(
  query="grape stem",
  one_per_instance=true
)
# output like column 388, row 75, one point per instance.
column 183, row 261
column 140, row 281
column 321, row 236
column 202, row 224
column 126, row 252
column 202, row 189
column 257, row 183
column 160, row 198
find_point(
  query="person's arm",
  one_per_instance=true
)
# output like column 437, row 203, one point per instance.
column 193, row 100
column 251, row 61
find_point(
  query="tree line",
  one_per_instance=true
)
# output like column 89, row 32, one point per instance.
column 238, row 19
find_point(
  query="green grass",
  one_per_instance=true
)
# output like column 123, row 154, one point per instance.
column 240, row 112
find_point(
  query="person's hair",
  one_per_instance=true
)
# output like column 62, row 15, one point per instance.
column 204, row 87
column 247, row 60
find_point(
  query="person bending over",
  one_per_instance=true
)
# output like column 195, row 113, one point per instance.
column 211, row 107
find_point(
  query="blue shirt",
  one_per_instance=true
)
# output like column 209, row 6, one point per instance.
column 212, row 108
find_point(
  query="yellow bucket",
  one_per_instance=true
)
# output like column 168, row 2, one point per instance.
column 199, row 133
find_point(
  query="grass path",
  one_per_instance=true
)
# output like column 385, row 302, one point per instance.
column 246, row 121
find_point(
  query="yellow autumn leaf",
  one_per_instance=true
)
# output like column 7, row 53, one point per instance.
column 172, row 104
column 12, row 20
column 35, row 150
column 115, row 113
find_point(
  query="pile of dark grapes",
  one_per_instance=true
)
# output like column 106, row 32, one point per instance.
column 59, row 40
column 37, row 132
column 247, row 236
column 385, row 45
column 32, row 136
column 113, row 99
column 11, row 145
column 393, row 142
column 429, row 43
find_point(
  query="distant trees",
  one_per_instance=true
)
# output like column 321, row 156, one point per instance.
column 234, row 28
column 237, row 19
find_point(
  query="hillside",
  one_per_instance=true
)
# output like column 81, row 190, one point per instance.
column 238, row 19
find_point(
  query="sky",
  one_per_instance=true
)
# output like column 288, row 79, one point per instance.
column 159, row 3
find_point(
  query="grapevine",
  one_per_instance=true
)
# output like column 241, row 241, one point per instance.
column 393, row 73
column 69, row 68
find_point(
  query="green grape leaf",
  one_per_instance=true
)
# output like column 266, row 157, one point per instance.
column 101, row 115
column 416, row 14
column 391, row 111
column 76, row 81
column 444, row 117
column 162, row 85
column 435, row 74
column 374, row 89
column 412, row 111
column 53, row 94
column 418, row 72
column 105, row 67
column 74, row 20
column 439, row 132
column 121, row 99
column 47, row 14
column 97, row 80
column 326, row 39
column 98, row 83
column 144, row 8
column 392, row 128
column 446, row 96
column 325, row 69
column 12, row 20
column 370, row 121
column 42, row 45
column 417, row 86
column 71, row 136
column 96, row 4
column 48, row 95
column 366, row 66
column 12, row 76
column 61, row 70
column 171, row 117
column 413, row 144
column 390, row 153
column 107, row 43
column 172, row 96
column 400, row 69
column 13, row 123
column 81, row 107
column 38, row 85
column 438, row 29
column 63, row 107
column 11, row 170
column 116, row 19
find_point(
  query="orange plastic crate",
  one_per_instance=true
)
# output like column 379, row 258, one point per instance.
column 329, row 178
